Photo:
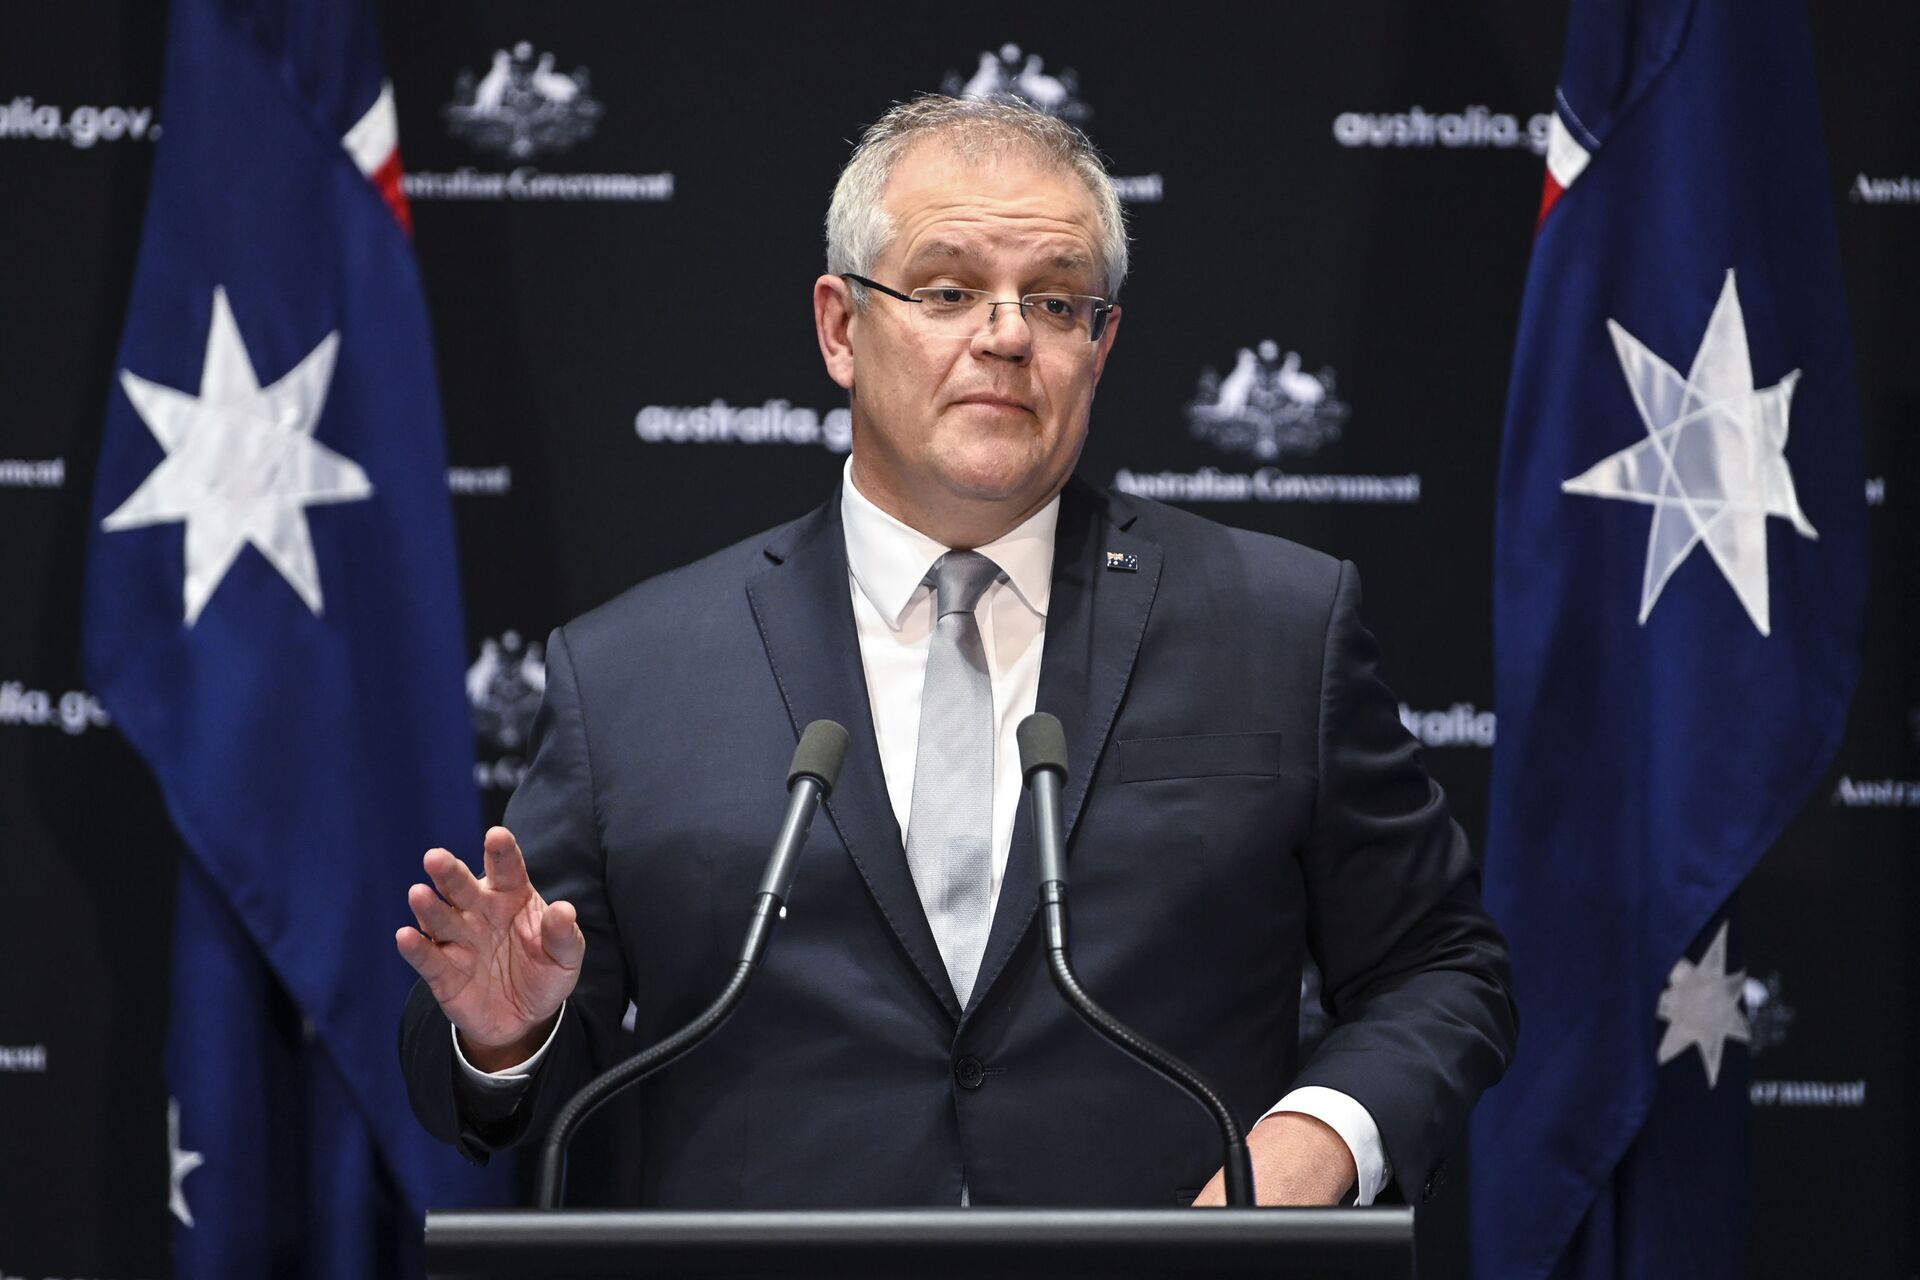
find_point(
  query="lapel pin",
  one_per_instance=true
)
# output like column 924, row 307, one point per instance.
column 1123, row 562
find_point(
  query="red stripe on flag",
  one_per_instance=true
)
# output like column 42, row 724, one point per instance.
column 1549, row 196
column 386, row 179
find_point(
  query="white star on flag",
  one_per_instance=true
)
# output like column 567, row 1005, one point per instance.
column 242, row 465
column 1701, row 1006
column 179, row 1165
column 1713, row 465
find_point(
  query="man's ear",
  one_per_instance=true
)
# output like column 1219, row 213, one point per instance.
column 832, row 318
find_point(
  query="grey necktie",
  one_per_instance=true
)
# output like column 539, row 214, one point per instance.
column 950, row 827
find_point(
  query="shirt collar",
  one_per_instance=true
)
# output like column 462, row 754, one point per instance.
column 890, row 559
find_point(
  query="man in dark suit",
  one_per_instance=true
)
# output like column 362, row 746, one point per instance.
column 1242, row 792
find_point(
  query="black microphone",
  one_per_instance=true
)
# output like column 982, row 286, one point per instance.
column 816, row 766
column 1043, row 760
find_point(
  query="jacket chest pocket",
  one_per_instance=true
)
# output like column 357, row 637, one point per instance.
column 1212, row 809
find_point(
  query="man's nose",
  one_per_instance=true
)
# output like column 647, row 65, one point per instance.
column 1008, row 336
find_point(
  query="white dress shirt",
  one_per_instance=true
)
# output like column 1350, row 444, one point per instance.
column 888, row 563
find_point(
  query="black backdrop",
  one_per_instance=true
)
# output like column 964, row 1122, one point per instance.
column 1336, row 199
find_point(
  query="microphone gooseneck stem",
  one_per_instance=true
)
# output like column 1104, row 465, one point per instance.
column 551, row 1183
column 816, row 766
column 1044, row 782
column 1237, row 1162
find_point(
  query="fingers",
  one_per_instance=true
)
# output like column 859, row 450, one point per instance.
column 440, row 922
column 560, row 935
column 419, row 951
column 505, row 865
column 452, row 878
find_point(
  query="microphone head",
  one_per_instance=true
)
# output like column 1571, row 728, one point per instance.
column 822, row 750
column 1043, row 744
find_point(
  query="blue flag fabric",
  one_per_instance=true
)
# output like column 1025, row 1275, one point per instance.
column 273, row 616
column 1679, row 603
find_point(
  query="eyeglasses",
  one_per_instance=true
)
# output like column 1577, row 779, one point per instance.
column 948, row 311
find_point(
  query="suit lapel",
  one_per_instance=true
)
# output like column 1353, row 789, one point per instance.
column 1095, row 621
column 802, row 604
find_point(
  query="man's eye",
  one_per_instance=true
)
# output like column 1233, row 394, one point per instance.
column 1057, row 309
column 946, row 300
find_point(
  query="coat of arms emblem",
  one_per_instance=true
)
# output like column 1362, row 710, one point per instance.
column 522, row 106
column 504, row 688
column 1010, row 72
column 1767, row 1014
column 1267, row 405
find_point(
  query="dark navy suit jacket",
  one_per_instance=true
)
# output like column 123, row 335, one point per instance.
column 1242, row 793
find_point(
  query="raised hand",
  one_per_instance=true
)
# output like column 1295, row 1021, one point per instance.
column 499, row 958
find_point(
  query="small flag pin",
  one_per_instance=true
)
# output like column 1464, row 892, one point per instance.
column 1123, row 562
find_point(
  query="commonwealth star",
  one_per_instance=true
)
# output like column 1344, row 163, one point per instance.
column 1713, row 466
column 242, row 465
column 1701, row 1007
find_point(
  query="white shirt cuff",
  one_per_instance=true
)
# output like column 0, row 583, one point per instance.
column 1346, row 1117
column 510, row 1077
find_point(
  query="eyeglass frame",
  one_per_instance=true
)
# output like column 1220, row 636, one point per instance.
column 1096, row 328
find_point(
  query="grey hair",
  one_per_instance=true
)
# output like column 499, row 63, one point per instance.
column 858, row 225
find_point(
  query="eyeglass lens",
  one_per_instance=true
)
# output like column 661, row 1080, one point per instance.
column 961, row 313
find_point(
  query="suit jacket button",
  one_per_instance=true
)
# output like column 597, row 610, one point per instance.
column 969, row 1072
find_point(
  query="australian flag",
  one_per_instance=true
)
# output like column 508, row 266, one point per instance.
column 273, row 616
column 1679, row 601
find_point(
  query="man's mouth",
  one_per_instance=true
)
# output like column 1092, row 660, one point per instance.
column 995, row 402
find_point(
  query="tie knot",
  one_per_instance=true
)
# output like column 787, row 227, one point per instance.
column 959, row 579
